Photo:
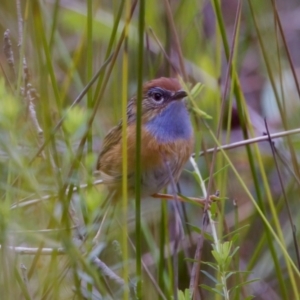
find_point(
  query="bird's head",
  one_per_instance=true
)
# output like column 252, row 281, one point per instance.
column 158, row 94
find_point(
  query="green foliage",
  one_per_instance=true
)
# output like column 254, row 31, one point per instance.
column 223, row 254
column 50, row 209
column 9, row 107
column 75, row 120
column 186, row 295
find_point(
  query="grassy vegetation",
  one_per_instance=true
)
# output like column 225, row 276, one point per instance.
column 67, row 71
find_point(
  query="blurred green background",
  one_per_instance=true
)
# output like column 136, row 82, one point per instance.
column 245, row 53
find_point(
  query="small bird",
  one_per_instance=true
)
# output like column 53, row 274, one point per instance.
column 167, row 141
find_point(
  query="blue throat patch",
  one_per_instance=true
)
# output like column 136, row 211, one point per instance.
column 171, row 124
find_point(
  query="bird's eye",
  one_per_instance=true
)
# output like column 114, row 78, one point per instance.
column 157, row 96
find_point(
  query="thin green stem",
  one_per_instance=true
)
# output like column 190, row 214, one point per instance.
column 125, row 155
column 89, row 65
column 138, row 149
column 212, row 225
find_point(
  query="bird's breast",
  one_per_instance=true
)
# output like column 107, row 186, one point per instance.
column 171, row 124
column 162, row 162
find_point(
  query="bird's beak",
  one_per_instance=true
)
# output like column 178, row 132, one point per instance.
column 179, row 95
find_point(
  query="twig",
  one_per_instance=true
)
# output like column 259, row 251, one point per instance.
column 250, row 141
column 106, row 271
column 34, row 251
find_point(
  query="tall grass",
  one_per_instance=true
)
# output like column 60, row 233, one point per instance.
column 67, row 70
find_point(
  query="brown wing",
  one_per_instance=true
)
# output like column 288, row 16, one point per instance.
column 110, row 142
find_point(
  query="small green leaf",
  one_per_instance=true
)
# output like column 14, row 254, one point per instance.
column 218, row 257
column 201, row 113
column 198, row 230
column 212, row 265
column 244, row 283
column 196, row 90
column 230, row 274
column 186, row 295
column 234, row 251
column 213, row 290
column 235, row 232
column 180, row 295
column 210, row 276
column 75, row 119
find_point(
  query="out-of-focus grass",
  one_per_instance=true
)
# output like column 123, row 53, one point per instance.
column 65, row 44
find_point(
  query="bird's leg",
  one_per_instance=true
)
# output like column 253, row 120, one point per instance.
column 177, row 197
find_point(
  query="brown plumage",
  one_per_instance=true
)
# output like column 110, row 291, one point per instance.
column 167, row 139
